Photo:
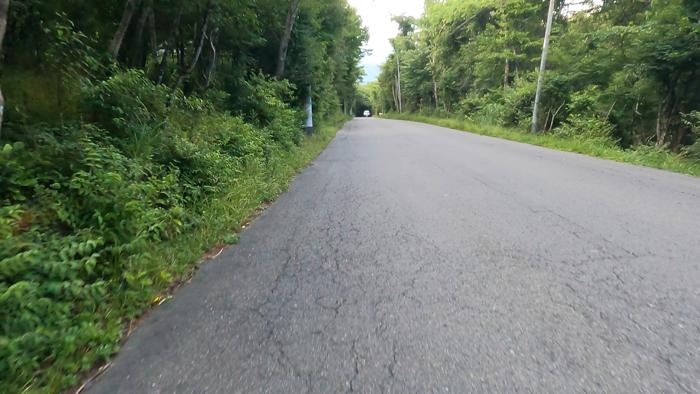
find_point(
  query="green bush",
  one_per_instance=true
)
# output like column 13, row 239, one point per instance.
column 518, row 99
column 129, row 106
column 65, row 250
column 587, row 128
column 693, row 151
column 484, row 108
column 692, row 121
column 83, row 205
column 502, row 107
column 272, row 113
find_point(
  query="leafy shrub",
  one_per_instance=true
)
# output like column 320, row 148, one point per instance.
column 502, row 107
column 47, row 89
column 589, row 128
column 128, row 105
column 13, row 180
column 260, row 98
column 485, row 108
column 693, row 151
column 584, row 101
column 65, row 243
column 82, row 205
column 518, row 99
column 692, row 120
column 272, row 112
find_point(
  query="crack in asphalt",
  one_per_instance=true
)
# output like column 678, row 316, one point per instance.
column 464, row 264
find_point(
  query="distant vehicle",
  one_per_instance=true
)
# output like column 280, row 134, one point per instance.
column 366, row 113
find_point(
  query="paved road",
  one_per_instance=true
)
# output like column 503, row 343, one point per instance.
column 411, row 258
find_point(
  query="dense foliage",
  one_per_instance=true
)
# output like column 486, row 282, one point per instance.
column 622, row 71
column 138, row 133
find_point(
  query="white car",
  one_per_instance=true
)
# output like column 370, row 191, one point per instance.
column 366, row 114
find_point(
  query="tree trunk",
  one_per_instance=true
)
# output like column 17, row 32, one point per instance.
column 551, row 123
column 435, row 88
column 445, row 92
column 677, row 139
column 212, row 62
column 185, row 74
column 292, row 13
column 160, row 73
column 153, row 40
column 674, row 115
column 506, row 75
column 666, row 110
column 116, row 44
column 398, row 83
column 660, row 131
column 4, row 5
column 636, row 136
column 137, row 50
column 171, row 44
column 180, row 48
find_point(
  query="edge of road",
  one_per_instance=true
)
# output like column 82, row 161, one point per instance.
column 316, row 144
column 648, row 157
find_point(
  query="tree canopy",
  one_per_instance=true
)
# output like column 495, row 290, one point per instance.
column 629, row 66
column 198, row 46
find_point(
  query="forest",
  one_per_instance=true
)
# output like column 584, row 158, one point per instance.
column 136, row 136
column 620, row 73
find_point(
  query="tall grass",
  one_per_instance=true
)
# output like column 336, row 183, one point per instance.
column 225, row 214
column 67, row 295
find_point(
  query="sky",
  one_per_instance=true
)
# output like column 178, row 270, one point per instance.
column 376, row 16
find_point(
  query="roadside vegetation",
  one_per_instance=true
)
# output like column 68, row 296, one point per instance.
column 622, row 79
column 646, row 155
column 137, row 135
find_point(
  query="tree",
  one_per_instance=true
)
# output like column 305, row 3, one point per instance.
column 129, row 10
column 202, row 34
column 292, row 12
column 4, row 5
column 203, row 45
column 625, row 65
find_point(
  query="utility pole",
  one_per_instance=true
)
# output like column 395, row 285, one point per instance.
column 543, row 65
column 398, row 82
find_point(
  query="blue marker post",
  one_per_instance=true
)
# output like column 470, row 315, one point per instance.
column 309, row 124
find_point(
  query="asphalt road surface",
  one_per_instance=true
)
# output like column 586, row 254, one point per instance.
column 411, row 259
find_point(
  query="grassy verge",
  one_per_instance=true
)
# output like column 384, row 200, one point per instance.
column 56, row 359
column 224, row 216
column 645, row 156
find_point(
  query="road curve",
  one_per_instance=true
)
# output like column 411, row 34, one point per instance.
column 411, row 258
